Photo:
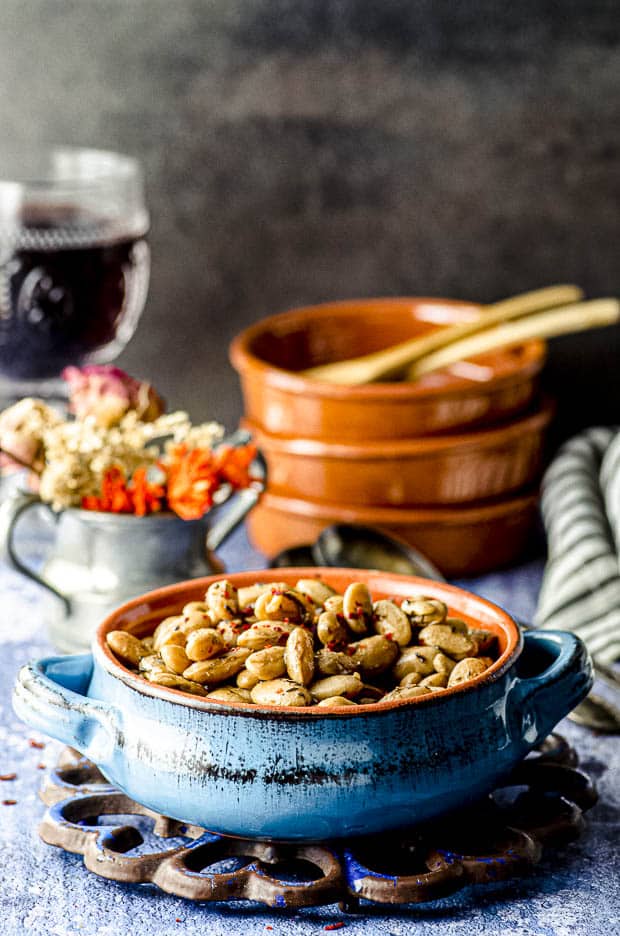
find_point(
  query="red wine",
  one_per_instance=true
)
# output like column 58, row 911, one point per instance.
column 69, row 283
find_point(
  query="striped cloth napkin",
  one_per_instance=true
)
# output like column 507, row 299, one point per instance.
column 581, row 511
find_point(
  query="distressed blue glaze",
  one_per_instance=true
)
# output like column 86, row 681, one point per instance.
column 257, row 773
column 356, row 873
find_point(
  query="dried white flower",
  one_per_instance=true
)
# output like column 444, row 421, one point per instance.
column 78, row 453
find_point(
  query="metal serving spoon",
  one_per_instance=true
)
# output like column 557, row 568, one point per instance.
column 597, row 713
column 362, row 547
column 353, row 546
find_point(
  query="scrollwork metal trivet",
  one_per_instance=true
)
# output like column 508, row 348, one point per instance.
column 500, row 838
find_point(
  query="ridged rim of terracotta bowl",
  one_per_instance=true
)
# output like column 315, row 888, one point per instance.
column 172, row 598
column 244, row 360
column 421, row 446
column 386, row 516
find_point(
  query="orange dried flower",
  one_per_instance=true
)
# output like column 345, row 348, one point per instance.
column 114, row 491
column 190, row 478
column 192, row 481
column 232, row 464
column 114, row 496
column 140, row 496
column 146, row 495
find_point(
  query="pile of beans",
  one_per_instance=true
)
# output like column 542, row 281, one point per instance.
column 270, row 644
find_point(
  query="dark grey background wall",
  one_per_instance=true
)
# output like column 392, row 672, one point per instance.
column 300, row 150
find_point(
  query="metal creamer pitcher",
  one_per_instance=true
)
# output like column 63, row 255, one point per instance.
column 97, row 561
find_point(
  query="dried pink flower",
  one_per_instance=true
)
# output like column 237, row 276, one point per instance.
column 107, row 393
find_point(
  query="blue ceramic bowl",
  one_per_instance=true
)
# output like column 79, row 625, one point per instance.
column 307, row 774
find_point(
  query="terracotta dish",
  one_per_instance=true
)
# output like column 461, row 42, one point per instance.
column 494, row 387
column 440, row 470
column 459, row 540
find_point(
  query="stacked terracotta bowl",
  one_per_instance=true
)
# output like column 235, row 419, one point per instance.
column 449, row 462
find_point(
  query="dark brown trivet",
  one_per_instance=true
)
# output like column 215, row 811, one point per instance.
column 499, row 838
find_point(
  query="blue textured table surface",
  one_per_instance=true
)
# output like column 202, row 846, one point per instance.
column 44, row 891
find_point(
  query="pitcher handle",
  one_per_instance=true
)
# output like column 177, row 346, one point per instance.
column 10, row 513
column 241, row 502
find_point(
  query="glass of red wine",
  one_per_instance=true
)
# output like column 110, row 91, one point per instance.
column 74, row 263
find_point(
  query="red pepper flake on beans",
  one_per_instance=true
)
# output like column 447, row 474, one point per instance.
column 8, row 776
column 334, row 926
column 322, row 649
column 39, row 745
column 9, row 802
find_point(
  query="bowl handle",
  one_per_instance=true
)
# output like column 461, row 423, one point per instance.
column 538, row 702
column 50, row 695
